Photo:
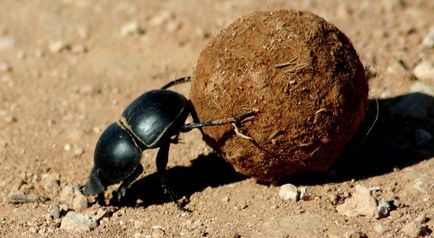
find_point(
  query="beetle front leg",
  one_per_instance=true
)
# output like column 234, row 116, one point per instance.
column 126, row 184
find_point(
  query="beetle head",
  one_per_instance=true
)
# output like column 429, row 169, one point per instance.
column 116, row 156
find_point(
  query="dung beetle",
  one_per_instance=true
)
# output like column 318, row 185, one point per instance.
column 153, row 120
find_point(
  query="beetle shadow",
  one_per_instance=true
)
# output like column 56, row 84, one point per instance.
column 209, row 170
column 396, row 133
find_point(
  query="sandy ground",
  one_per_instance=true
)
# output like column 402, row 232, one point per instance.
column 69, row 67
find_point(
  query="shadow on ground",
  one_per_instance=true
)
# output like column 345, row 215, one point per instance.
column 205, row 171
column 401, row 135
column 396, row 133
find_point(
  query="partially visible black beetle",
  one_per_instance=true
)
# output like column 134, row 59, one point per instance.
column 153, row 120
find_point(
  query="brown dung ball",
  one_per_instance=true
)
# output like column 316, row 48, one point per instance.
column 305, row 78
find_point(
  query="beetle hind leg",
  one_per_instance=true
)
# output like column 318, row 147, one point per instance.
column 236, row 120
column 162, row 158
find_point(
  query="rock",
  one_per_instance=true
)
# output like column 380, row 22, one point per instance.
column 361, row 203
column 80, row 201
column 383, row 208
column 54, row 211
column 50, row 181
column 333, row 198
column 305, row 194
column 416, row 228
column 428, row 40
column 424, row 70
column 289, row 192
column 26, row 198
column 365, row 202
column 131, row 28
column 77, row 222
column 103, row 212
column 380, row 228
column 67, row 195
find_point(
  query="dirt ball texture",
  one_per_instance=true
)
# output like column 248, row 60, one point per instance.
column 303, row 75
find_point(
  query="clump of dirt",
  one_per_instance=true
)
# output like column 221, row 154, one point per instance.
column 303, row 75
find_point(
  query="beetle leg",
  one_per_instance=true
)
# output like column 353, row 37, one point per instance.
column 162, row 158
column 237, row 119
column 176, row 82
column 126, row 184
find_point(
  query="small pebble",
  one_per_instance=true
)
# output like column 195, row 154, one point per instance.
column 67, row 195
column 79, row 49
column 21, row 55
column 83, row 32
column 77, row 222
column 26, row 198
column 78, row 151
column 383, row 208
column 305, row 194
column 333, row 198
column 428, row 40
column 58, row 46
column 424, row 70
column 103, row 212
column 415, row 229
column 161, row 18
column 5, row 67
column 6, row 42
column 289, row 192
column 50, row 181
column 67, row 147
column 80, row 202
column 380, row 228
column 131, row 28
column 54, row 211
column 361, row 203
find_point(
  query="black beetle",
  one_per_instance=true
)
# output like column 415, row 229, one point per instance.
column 153, row 120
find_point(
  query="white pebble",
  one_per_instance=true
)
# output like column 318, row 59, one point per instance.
column 131, row 28
column 5, row 67
column 289, row 192
column 67, row 147
column 161, row 18
column 6, row 42
column 428, row 40
column 58, row 46
column 424, row 70
column 83, row 32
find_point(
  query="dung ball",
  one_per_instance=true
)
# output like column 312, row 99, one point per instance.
column 303, row 75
